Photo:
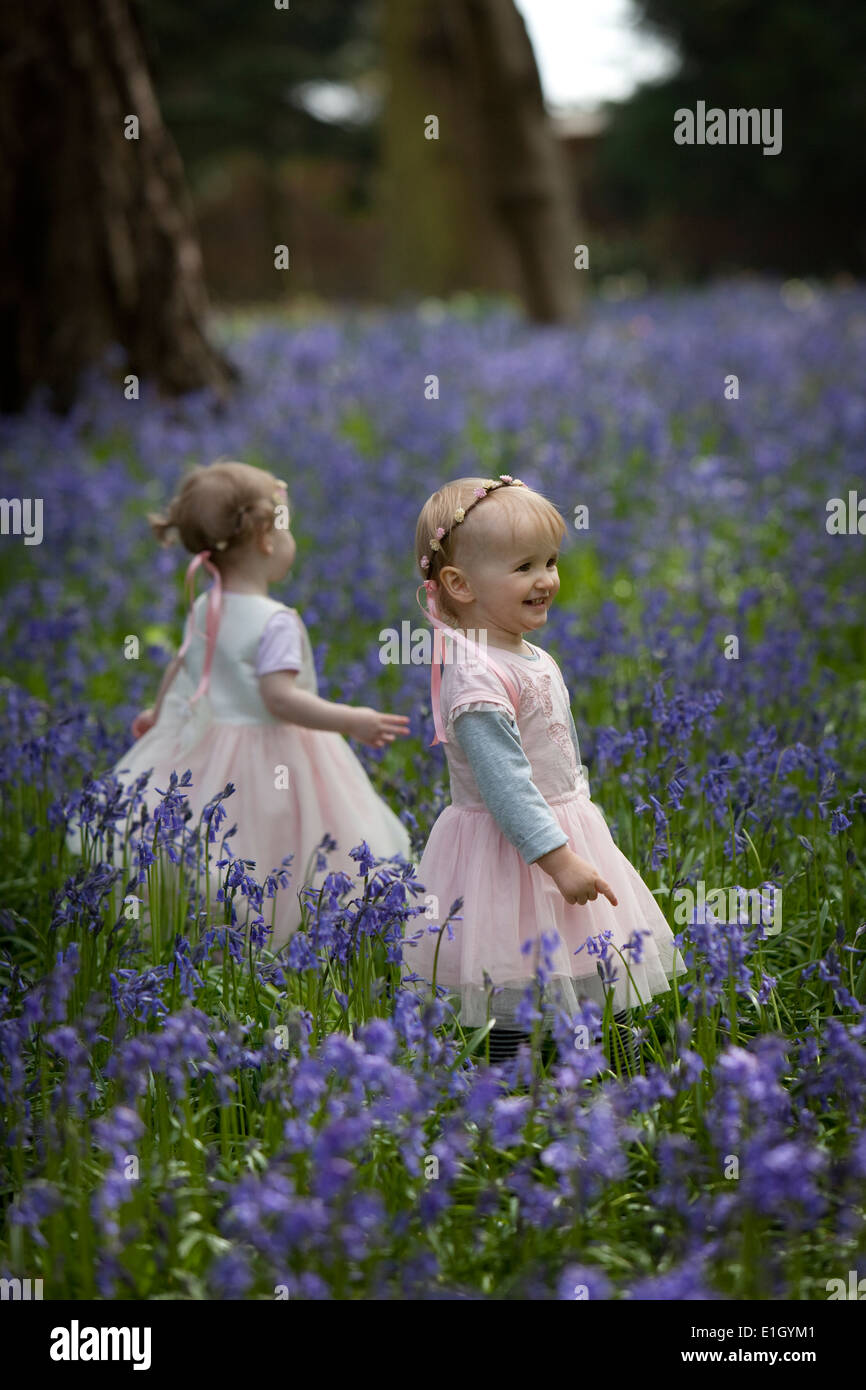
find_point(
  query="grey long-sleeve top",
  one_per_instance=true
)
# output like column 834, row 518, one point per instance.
column 491, row 741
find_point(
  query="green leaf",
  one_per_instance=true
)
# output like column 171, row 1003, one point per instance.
column 473, row 1043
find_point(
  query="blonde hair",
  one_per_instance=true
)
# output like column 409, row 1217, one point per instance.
column 222, row 505
column 438, row 512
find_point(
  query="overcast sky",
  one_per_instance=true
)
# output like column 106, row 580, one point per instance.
column 589, row 51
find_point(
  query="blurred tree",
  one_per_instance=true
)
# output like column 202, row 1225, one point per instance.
column 231, row 76
column 100, row 247
column 487, row 201
column 486, row 206
column 795, row 211
column 276, row 115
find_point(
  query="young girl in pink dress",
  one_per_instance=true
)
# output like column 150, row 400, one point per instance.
column 522, row 843
column 238, row 702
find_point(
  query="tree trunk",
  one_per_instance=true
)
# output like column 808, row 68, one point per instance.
column 488, row 204
column 100, row 245
column 442, row 233
column 525, row 171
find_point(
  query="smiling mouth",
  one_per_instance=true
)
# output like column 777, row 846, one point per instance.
column 537, row 602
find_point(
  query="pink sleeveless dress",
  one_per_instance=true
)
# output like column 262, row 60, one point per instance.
column 292, row 785
column 507, row 902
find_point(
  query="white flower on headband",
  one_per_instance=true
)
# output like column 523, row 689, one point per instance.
column 459, row 514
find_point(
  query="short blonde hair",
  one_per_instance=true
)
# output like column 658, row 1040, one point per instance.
column 222, row 505
column 438, row 512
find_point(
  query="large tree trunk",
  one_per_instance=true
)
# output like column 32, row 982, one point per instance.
column 488, row 204
column 526, row 175
column 99, row 246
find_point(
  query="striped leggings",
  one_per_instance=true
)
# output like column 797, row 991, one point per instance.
column 504, row 1042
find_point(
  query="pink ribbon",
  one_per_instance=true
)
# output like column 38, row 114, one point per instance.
column 214, row 610
column 440, row 628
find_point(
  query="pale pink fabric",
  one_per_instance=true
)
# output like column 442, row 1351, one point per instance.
column 280, row 644
column 292, row 785
column 445, row 639
column 507, row 902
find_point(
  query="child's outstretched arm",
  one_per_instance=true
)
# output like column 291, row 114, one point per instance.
column 284, row 701
column 492, row 744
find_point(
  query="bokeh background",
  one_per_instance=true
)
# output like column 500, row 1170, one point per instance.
column 697, row 387
column 304, row 127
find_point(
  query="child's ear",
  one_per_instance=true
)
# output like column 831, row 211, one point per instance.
column 455, row 584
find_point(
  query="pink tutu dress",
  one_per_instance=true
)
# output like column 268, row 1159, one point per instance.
column 292, row 784
column 507, row 901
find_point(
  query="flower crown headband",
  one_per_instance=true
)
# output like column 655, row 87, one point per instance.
column 435, row 542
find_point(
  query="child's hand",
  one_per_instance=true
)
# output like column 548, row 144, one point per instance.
column 142, row 722
column 376, row 729
column 577, row 881
column 581, row 883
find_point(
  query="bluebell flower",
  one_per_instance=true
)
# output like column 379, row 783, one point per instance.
column 509, row 1117
column 365, row 860
column 230, row 1276
column 579, row 1283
